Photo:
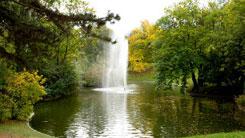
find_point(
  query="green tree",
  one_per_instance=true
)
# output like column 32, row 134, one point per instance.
column 43, row 35
column 47, row 35
column 179, row 54
column 205, row 44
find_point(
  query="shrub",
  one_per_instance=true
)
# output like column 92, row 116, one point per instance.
column 4, row 73
column 22, row 89
column 6, row 106
column 61, row 80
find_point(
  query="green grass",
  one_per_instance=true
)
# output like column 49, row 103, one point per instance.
column 17, row 129
column 222, row 135
column 146, row 76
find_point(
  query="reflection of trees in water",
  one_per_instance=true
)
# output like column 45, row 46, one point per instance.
column 175, row 116
column 155, row 114
column 91, row 119
column 71, row 116
column 141, row 109
column 53, row 118
column 140, row 121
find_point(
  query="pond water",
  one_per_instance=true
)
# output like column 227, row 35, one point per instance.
column 142, row 113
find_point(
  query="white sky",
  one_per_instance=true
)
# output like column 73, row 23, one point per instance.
column 132, row 12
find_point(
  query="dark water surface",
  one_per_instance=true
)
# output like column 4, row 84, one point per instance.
column 142, row 113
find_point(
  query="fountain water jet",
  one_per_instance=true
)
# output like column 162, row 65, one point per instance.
column 116, row 63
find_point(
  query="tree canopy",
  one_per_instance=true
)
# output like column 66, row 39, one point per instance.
column 141, row 47
column 203, row 43
column 43, row 40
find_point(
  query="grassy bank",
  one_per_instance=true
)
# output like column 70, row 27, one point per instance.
column 17, row 129
column 146, row 76
column 222, row 135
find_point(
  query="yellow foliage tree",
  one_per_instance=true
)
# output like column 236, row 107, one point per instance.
column 141, row 48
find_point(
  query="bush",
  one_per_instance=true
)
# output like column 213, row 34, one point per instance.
column 21, row 91
column 6, row 106
column 4, row 73
column 61, row 80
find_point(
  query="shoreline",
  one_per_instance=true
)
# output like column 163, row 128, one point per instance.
column 19, row 129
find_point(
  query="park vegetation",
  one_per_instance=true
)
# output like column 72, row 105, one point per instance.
column 194, row 43
column 42, row 43
column 48, row 48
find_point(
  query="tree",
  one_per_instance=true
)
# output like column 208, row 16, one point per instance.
column 179, row 53
column 205, row 44
column 30, row 24
column 45, row 36
column 141, row 48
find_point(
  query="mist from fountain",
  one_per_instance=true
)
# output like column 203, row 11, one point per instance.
column 116, row 63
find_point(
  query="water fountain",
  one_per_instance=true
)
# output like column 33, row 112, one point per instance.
column 114, row 77
column 116, row 63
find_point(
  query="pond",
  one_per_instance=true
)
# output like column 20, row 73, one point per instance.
column 141, row 113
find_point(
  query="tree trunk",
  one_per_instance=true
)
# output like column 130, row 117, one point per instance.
column 200, row 76
column 194, row 81
column 184, row 82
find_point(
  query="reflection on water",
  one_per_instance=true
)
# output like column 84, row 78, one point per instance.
column 142, row 114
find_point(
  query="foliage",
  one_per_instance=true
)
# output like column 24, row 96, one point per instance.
column 25, row 89
column 4, row 72
column 26, row 86
column 20, row 92
column 62, row 80
column 6, row 106
column 91, row 61
column 178, row 55
column 201, row 43
column 241, row 100
column 204, row 43
column 37, row 35
column 141, row 48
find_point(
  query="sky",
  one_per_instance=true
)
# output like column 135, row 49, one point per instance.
column 132, row 12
